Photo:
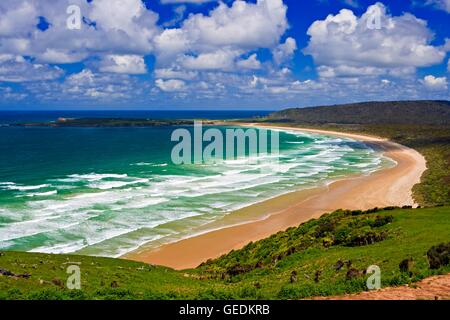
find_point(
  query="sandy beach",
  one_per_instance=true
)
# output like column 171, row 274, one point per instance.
column 386, row 187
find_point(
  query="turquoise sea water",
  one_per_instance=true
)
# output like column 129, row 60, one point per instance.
column 106, row 191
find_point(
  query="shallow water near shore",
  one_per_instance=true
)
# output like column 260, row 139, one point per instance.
column 106, row 191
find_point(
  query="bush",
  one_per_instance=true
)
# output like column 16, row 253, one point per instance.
column 248, row 292
column 342, row 234
column 296, row 292
column 381, row 221
column 364, row 239
column 238, row 269
column 325, row 227
column 214, row 294
column 406, row 265
column 439, row 256
column 151, row 295
column 390, row 208
column 48, row 294
column 11, row 294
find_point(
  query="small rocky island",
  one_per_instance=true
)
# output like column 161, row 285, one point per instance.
column 108, row 122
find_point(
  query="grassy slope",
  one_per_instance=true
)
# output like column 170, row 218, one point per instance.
column 132, row 280
column 411, row 233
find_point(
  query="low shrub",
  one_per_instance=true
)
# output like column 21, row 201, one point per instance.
column 439, row 256
column 381, row 221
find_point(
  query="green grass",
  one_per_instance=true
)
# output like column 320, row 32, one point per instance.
column 134, row 280
column 261, row 270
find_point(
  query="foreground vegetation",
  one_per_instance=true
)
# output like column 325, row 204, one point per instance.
column 327, row 256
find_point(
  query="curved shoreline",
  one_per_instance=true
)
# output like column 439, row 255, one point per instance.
column 386, row 187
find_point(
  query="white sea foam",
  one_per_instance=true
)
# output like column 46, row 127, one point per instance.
column 105, row 185
column 218, row 205
column 96, row 176
column 42, row 194
column 132, row 245
column 24, row 188
column 61, row 248
column 143, row 164
column 140, row 202
column 95, row 233
column 150, row 164
column 7, row 183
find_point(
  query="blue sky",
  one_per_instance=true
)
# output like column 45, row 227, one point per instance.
column 207, row 54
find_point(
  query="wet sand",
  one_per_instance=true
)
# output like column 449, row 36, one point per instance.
column 386, row 187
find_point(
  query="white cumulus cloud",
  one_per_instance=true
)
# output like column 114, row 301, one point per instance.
column 251, row 62
column 129, row 64
column 17, row 69
column 216, row 40
column 285, row 50
column 108, row 26
column 344, row 44
column 171, row 85
column 168, row 73
column 435, row 83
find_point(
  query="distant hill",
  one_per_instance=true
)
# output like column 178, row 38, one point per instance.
column 394, row 112
column 107, row 122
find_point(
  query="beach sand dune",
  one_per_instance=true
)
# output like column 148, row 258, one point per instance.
column 386, row 187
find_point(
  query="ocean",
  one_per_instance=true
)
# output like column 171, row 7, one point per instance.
column 107, row 191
